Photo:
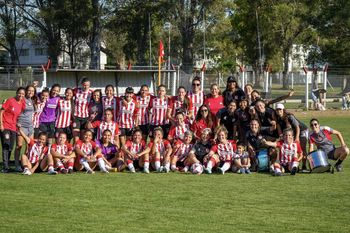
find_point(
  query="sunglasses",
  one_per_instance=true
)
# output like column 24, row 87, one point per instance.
column 196, row 84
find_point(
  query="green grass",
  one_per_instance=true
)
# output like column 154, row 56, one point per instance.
column 122, row 202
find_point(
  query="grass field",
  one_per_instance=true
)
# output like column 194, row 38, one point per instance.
column 123, row 202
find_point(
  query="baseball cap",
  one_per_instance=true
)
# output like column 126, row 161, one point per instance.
column 231, row 79
column 279, row 106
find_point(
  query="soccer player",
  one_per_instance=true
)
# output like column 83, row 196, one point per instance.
column 214, row 100
column 196, row 96
column 110, row 101
column 179, row 160
column 44, row 96
column 160, row 151
column 109, row 150
column 144, row 98
column 221, row 154
column 136, row 153
column 180, row 103
column 177, row 132
column 63, row 154
column 64, row 117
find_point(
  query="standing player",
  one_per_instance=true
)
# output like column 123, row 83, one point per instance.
column 196, row 95
column 110, row 101
column 144, row 98
column 65, row 115
column 180, row 103
column 82, row 99
column 39, row 109
column 321, row 137
column 160, row 151
column 214, row 100
column 63, row 154
column 159, row 110
column 136, row 154
column 127, row 110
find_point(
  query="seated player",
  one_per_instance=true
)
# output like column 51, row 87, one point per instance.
column 220, row 155
column 180, row 158
column 160, row 151
column 36, row 154
column 136, row 154
column 241, row 160
column 109, row 150
column 89, row 155
column 63, row 154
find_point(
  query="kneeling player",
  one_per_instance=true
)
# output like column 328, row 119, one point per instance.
column 160, row 151
column 63, row 154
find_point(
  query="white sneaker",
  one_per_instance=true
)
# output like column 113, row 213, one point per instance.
column 104, row 171
column 132, row 170
column 146, row 170
column 90, row 171
column 27, row 172
column 160, row 169
column 166, row 169
column 52, row 172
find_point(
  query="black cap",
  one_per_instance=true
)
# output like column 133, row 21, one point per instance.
column 231, row 79
column 129, row 90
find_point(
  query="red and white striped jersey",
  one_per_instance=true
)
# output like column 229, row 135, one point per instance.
column 35, row 151
column 110, row 103
column 176, row 104
column 182, row 151
column 127, row 113
column 287, row 152
column 82, row 100
column 37, row 113
column 225, row 151
column 135, row 148
column 143, row 109
column 86, row 147
column 103, row 125
column 178, row 132
column 197, row 100
column 158, row 108
column 64, row 149
column 64, row 114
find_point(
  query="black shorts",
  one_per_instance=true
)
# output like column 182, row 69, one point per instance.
column 144, row 129
column 8, row 139
column 180, row 164
column 125, row 132
column 80, row 123
column 48, row 127
column 330, row 154
column 67, row 130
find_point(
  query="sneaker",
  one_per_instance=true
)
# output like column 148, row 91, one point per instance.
column 145, row 170
column 293, row 171
column 90, row 171
column 132, row 170
column 277, row 173
column 52, row 172
column 160, row 169
column 26, row 172
column 222, row 172
column 339, row 168
column 5, row 170
column 241, row 170
column 247, row 171
column 70, row 171
column 207, row 170
column 166, row 169
column 18, row 169
column 63, row 171
column 185, row 169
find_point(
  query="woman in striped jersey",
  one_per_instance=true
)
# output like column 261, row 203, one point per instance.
column 159, row 111
column 196, row 96
column 177, row 132
column 143, row 98
column 63, row 154
column 136, row 154
column 179, row 160
column 65, row 115
column 127, row 119
column 160, row 151
column 44, row 96
column 110, row 101
column 180, row 103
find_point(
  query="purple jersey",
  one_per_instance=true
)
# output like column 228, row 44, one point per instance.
column 108, row 151
column 49, row 111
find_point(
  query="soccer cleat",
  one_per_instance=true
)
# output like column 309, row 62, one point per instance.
column 63, row 171
column 185, row 169
column 277, row 173
column 241, row 170
column 293, row 171
column 70, row 171
column 90, row 171
column 222, row 172
column 132, row 170
column 104, row 171
column 51, row 172
column 208, row 170
column 160, row 169
column 26, row 172
column 18, row 169
column 145, row 170
column 5, row 170
column 166, row 170
column 339, row 168
column 247, row 171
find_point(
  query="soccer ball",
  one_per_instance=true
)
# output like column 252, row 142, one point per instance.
column 197, row 168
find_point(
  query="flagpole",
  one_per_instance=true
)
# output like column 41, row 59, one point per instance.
column 159, row 64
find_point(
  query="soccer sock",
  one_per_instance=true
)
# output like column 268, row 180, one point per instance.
column 157, row 164
column 185, row 169
column 101, row 164
column 85, row 164
column 59, row 165
column 339, row 161
column 167, row 166
column 146, row 164
column 130, row 164
column 211, row 163
column 295, row 164
column 173, row 167
column 226, row 166
column 70, row 165
column 50, row 167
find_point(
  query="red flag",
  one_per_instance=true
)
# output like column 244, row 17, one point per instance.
column 203, row 67
column 161, row 51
